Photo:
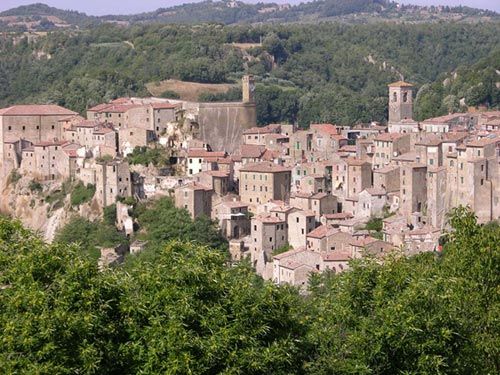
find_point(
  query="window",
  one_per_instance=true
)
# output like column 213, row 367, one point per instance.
column 461, row 180
column 53, row 127
column 482, row 182
column 405, row 97
column 270, row 239
column 394, row 97
column 24, row 128
column 482, row 168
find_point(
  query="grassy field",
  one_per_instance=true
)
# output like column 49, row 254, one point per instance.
column 187, row 90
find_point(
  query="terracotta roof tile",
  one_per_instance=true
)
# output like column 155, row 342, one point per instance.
column 36, row 110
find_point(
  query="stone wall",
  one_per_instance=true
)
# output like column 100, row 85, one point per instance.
column 222, row 124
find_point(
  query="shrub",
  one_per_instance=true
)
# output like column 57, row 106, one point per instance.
column 35, row 186
column 82, row 194
column 170, row 94
column 14, row 176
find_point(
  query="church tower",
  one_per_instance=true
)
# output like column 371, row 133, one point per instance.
column 400, row 102
column 248, row 87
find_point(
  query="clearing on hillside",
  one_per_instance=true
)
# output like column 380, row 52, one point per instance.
column 188, row 90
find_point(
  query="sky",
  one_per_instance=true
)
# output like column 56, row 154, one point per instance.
column 101, row 7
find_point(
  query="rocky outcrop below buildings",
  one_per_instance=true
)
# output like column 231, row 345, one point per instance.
column 43, row 206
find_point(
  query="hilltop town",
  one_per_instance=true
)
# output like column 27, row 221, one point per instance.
column 293, row 201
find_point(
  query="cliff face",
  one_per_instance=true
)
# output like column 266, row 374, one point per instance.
column 43, row 207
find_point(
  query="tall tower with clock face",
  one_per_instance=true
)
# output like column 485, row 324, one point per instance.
column 400, row 101
column 248, row 87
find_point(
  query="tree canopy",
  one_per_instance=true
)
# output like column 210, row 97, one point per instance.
column 187, row 311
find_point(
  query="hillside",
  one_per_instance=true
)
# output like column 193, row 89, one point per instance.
column 40, row 17
column 330, row 72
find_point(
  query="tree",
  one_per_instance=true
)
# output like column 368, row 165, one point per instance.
column 90, row 236
column 161, row 222
column 425, row 314
column 184, row 312
column 57, row 314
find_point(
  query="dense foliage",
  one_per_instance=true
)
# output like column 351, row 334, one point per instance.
column 145, row 156
column 186, row 311
column 326, row 72
column 90, row 236
column 82, row 194
column 160, row 221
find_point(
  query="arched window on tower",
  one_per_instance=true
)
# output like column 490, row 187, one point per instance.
column 405, row 97
column 394, row 97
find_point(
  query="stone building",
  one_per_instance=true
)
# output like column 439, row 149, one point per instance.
column 262, row 182
column 32, row 123
column 300, row 223
column 387, row 178
column 319, row 203
column 401, row 108
column 112, row 180
column 359, row 176
column 268, row 233
column 388, row 146
column 413, row 188
column 437, row 201
column 233, row 218
column 195, row 198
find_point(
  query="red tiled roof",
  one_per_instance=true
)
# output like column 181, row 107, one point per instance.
column 329, row 129
column 196, row 186
column 164, row 106
column 389, row 137
column 322, row 231
column 336, row 256
column 400, row 84
column 264, row 168
column 272, row 128
column 206, row 154
column 356, row 162
column 339, row 216
column 483, row 142
column 252, row 151
column 36, row 110
column 269, row 219
column 49, row 143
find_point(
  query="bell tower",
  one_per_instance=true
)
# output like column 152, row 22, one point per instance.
column 248, row 87
column 400, row 101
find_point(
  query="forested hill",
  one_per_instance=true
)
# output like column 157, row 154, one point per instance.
column 329, row 72
column 40, row 17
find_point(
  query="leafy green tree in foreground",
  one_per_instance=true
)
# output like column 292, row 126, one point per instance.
column 184, row 311
column 425, row 315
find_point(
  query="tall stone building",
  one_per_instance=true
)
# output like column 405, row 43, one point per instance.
column 248, row 87
column 400, row 101
column 401, row 108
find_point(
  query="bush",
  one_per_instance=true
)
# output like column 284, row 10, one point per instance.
column 145, row 156
column 82, row 194
column 14, row 176
column 35, row 186
column 169, row 94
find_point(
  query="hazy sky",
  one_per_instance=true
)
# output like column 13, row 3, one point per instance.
column 100, row 7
